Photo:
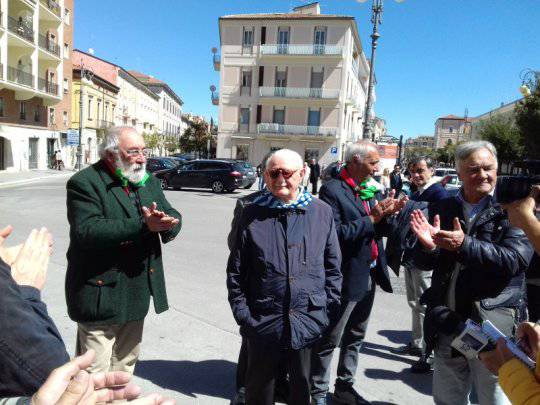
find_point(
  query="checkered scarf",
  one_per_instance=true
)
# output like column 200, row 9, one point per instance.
column 303, row 199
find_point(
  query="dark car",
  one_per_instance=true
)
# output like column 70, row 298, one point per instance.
column 218, row 175
column 185, row 156
column 250, row 171
column 159, row 163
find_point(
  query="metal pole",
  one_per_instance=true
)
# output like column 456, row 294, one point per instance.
column 375, row 19
column 79, row 147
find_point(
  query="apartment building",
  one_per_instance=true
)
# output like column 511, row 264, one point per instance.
column 421, row 141
column 293, row 80
column 137, row 105
column 451, row 129
column 169, row 105
column 100, row 98
column 35, row 41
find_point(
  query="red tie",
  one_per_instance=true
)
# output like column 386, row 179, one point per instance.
column 374, row 247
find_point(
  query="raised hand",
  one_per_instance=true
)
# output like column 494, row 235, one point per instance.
column 158, row 221
column 30, row 265
column 450, row 240
column 424, row 230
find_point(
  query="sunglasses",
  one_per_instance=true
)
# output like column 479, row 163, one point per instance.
column 274, row 174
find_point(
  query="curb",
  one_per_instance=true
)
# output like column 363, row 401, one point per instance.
column 35, row 179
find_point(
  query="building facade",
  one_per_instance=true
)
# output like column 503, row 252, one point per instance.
column 292, row 80
column 421, row 141
column 451, row 130
column 169, row 105
column 505, row 111
column 100, row 98
column 35, row 42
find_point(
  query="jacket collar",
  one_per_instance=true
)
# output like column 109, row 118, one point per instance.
column 113, row 184
column 350, row 195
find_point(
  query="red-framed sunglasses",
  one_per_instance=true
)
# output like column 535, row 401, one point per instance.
column 274, row 174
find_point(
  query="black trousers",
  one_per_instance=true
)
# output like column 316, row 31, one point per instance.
column 264, row 361
column 314, row 186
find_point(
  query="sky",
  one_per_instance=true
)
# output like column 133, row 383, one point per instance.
column 435, row 57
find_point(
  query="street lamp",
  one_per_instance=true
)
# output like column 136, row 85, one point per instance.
column 529, row 81
column 376, row 19
column 86, row 77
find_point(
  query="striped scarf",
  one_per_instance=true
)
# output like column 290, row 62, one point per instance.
column 303, row 199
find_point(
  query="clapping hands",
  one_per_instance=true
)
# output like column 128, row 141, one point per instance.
column 431, row 236
column 158, row 221
column 388, row 206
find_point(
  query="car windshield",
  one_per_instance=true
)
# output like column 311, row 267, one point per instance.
column 240, row 167
column 169, row 164
column 440, row 172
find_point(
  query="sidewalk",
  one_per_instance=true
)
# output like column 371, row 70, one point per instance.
column 13, row 178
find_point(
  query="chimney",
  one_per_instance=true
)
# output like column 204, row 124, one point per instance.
column 311, row 8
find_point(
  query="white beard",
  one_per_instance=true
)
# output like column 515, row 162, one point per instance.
column 133, row 172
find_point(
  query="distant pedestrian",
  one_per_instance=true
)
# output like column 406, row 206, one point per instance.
column 396, row 182
column 315, row 174
column 385, row 181
column 58, row 160
column 307, row 176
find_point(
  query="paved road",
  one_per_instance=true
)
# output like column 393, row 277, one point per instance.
column 190, row 351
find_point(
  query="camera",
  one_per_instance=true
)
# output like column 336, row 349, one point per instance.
column 512, row 188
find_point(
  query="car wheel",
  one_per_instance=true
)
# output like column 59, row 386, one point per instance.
column 217, row 187
column 164, row 184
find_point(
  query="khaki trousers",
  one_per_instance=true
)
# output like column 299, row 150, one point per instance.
column 117, row 347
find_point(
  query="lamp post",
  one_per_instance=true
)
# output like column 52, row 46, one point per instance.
column 529, row 80
column 376, row 19
column 86, row 76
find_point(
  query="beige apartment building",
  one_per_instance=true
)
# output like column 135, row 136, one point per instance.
column 293, row 80
column 35, row 41
column 451, row 129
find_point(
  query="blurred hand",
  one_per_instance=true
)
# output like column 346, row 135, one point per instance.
column 494, row 359
column 528, row 338
column 450, row 240
column 424, row 230
column 521, row 211
column 158, row 221
column 30, row 265
column 8, row 254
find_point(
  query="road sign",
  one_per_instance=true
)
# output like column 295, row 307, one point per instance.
column 72, row 137
column 333, row 150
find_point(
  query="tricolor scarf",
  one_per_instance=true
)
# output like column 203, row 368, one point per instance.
column 126, row 182
column 365, row 194
column 362, row 190
column 303, row 199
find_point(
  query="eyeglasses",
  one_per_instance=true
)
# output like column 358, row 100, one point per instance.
column 136, row 152
column 274, row 174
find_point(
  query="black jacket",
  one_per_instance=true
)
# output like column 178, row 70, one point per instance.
column 396, row 183
column 241, row 203
column 355, row 232
column 314, row 173
column 283, row 274
column 494, row 256
column 30, row 345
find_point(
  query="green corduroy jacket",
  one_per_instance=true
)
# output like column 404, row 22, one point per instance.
column 114, row 261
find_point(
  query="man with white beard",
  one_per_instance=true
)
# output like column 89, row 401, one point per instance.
column 117, row 214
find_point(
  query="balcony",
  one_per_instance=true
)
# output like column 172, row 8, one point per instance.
column 47, row 86
column 215, row 98
column 287, row 49
column 281, row 129
column 18, row 76
column 21, row 29
column 298, row 92
column 355, row 68
column 217, row 62
column 46, row 44
column 53, row 6
column 104, row 124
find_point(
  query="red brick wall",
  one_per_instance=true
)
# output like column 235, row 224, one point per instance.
column 12, row 110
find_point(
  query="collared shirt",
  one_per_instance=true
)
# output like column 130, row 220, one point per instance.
column 425, row 186
column 471, row 210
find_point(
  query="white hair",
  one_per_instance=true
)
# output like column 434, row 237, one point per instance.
column 466, row 149
column 288, row 155
column 111, row 140
column 360, row 149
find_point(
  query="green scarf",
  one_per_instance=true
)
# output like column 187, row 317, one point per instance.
column 365, row 192
column 125, row 181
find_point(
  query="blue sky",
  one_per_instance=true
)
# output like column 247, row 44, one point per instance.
column 435, row 57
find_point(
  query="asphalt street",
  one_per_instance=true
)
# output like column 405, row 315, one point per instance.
column 190, row 351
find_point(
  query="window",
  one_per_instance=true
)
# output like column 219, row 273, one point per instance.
column 242, row 152
column 319, row 41
column 66, row 51
column 263, row 35
column 98, row 108
column 89, row 115
column 283, row 40
column 22, row 110
column 244, row 116
column 65, row 118
column 67, row 16
column 66, row 86
column 311, row 154
column 450, row 129
column 37, row 115
column 247, row 40
column 281, row 78
column 314, row 118
column 279, row 116
column 52, row 116
column 246, row 83
column 1, row 106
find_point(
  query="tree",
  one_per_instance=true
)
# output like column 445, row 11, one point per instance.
column 527, row 116
column 504, row 135
column 195, row 138
column 170, row 143
column 447, row 154
column 411, row 152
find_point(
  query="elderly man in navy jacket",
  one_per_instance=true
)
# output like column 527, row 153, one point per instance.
column 360, row 221
column 284, row 279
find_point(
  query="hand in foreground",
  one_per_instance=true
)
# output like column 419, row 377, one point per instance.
column 493, row 360
column 8, row 254
column 520, row 212
column 450, row 240
column 158, row 221
column 387, row 207
column 424, row 230
column 528, row 338
column 30, row 265
column 70, row 385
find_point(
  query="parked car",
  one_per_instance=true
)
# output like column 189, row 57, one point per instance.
column 441, row 172
column 178, row 160
column 185, row 156
column 251, row 172
column 160, row 163
column 216, row 174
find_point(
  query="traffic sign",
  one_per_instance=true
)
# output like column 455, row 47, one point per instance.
column 72, row 137
column 333, row 150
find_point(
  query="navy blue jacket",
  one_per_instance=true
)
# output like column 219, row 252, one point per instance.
column 283, row 273
column 30, row 345
column 355, row 232
column 494, row 254
column 433, row 193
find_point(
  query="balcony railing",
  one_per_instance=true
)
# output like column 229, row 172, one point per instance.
column 47, row 86
column 21, row 28
column 287, row 49
column 18, row 76
column 215, row 98
column 298, row 92
column 281, row 129
column 52, row 5
column 48, row 45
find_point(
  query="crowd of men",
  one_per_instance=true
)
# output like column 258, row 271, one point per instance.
column 301, row 277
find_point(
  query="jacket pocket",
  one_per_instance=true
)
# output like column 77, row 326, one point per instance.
column 318, row 300
column 104, row 294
